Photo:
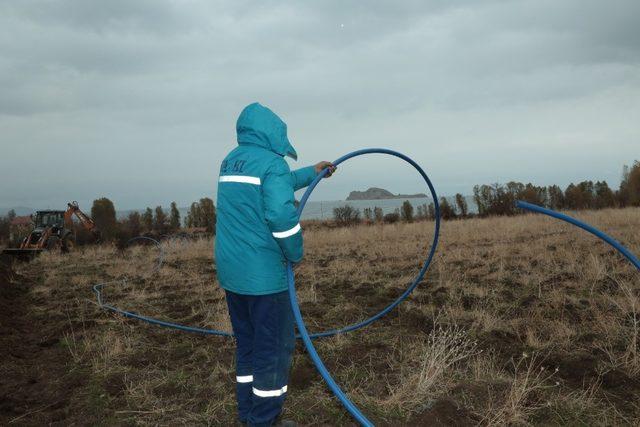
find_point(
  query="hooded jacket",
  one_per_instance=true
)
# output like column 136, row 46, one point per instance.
column 257, row 228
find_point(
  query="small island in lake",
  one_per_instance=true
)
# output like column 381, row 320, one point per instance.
column 374, row 193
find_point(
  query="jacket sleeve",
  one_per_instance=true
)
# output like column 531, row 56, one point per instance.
column 302, row 177
column 280, row 210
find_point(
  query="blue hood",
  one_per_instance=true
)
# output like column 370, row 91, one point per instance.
column 258, row 125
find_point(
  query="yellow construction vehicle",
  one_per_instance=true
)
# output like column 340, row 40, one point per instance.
column 53, row 230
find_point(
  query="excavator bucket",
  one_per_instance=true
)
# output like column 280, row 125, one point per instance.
column 22, row 254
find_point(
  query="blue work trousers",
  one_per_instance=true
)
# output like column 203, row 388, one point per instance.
column 263, row 326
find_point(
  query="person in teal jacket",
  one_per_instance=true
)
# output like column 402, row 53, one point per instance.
column 257, row 232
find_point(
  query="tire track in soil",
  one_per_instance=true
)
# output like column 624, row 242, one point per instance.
column 35, row 385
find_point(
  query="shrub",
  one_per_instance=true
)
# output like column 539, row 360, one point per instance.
column 202, row 214
column 390, row 218
column 103, row 214
column 346, row 215
column 147, row 220
column 407, row 211
column 133, row 224
column 368, row 214
column 377, row 214
column 160, row 221
column 174, row 218
column 461, row 204
column 431, row 211
column 446, row 210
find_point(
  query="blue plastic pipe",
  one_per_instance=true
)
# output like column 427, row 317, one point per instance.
column 302, row 329
column 97, row 289
column 303, row 333
column 610, row 240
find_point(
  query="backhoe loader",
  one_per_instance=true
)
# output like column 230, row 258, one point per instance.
column 53, row 230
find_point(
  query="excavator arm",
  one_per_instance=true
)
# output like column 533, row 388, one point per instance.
column 74, row 209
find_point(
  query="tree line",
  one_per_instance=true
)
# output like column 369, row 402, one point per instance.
column 156, row 222
column 348, row 215
column 151, row 222
column 499, row 199
column 495, row 199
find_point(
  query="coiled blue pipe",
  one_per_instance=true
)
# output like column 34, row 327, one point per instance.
column 610, row 240
column 303, row 333
column 97, row 289
column 302, row 329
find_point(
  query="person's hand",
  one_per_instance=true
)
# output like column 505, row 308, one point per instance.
column 324, row 165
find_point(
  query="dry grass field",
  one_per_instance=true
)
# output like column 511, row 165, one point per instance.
column 522, row 320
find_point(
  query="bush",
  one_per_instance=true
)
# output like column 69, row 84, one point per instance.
column 391, row 218
column 84, row 236
column 133, row 224
column 346, row 215
column 407, row 211
column 461, row 205
column 160, row 221
column 377, row 214
column 446, row 210
column 202, row 214
column 368, row 214
column 174, row 218
column 103, row 214
column 147, row 220
column 431, row 211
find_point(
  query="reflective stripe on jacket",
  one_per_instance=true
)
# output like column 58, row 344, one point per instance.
column 257, row 227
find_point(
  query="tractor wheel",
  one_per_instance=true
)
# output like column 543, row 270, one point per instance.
column 68, row 243
column 53, row 243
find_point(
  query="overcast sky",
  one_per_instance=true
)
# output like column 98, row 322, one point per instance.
column 137, row 100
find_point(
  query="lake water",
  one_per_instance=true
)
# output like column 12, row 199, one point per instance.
column 324, row 209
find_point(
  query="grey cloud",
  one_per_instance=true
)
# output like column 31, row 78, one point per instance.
column 158, row 77
column 114, row 16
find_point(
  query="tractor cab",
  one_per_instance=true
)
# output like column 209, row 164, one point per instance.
column 44, row 219
column 46, row 222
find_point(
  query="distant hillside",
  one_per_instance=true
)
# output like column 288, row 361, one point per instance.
column 374, row 193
